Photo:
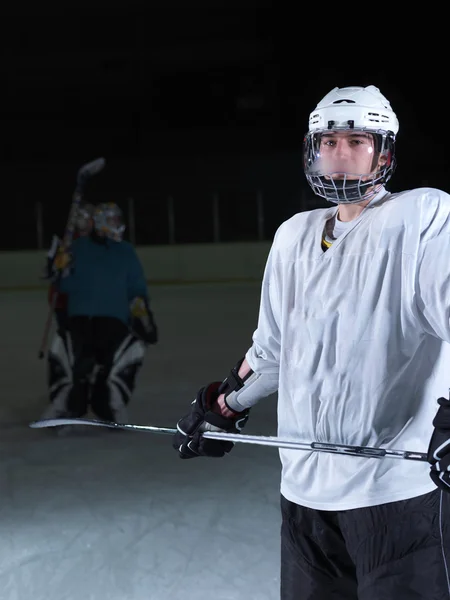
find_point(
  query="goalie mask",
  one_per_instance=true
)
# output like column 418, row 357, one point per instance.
column 349, row 150
column 108, row 221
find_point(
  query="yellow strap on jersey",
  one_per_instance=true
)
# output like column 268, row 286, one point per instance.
column 325, row 243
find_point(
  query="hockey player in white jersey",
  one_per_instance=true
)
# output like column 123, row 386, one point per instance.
column 354, row 334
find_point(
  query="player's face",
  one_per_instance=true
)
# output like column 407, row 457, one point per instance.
column 115, row 227
column 113, row 221
column 349, row 153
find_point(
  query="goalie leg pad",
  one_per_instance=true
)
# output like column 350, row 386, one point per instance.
column 59, row 375
column 68, row 385
column 114, row 383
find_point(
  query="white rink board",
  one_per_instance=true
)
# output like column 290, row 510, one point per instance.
column 180, row 263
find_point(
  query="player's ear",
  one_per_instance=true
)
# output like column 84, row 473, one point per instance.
column 382, row 161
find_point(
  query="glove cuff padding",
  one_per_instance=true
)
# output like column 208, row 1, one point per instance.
column 207, row 396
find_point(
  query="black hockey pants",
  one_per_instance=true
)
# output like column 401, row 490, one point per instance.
column 394, row 551
column 95, row 340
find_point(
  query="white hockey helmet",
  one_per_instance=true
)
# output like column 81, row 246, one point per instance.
column 355, row 110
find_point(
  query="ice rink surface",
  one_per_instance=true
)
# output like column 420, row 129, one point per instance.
column 107, row 515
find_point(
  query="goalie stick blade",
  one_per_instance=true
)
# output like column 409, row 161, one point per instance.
column 90, row 169
column 44, row 423
column 275, row 442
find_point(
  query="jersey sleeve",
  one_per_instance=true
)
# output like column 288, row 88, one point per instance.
column 264, row 354
column 433, row 286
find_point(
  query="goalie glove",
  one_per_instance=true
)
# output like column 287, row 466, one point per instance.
column 188, row 440
column 62, row 260
column 143, row 324
column 439, row 448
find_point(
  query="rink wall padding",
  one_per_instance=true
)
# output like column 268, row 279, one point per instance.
column 175, row 264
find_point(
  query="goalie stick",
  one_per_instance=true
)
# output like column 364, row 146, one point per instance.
column 362, row 451
column 84, row 174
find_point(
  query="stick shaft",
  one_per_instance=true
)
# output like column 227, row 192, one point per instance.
column 260, row 440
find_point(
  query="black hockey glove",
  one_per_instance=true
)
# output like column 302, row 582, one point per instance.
column 439, row 448
column 188, row 440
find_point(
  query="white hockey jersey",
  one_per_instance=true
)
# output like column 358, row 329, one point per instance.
column 360, row 338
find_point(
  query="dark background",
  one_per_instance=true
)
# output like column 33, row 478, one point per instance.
column 188, row 100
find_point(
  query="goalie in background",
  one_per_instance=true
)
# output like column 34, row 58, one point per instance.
column 110, row 322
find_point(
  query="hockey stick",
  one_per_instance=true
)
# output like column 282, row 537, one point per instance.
column 362, row 451
column 83, row 175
